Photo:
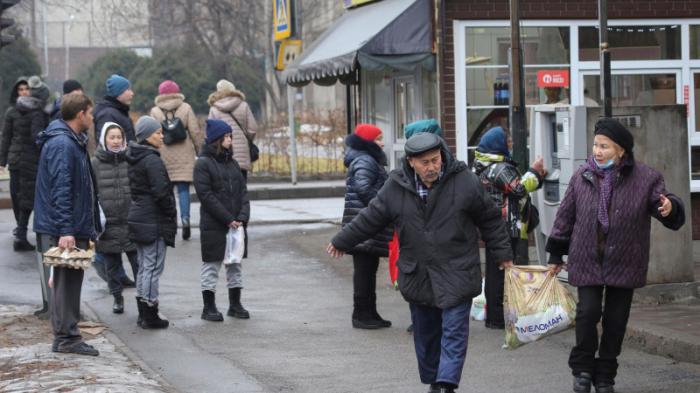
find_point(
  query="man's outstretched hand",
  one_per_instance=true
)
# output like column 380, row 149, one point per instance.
column 334, row 252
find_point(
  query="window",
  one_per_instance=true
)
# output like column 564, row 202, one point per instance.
column 629, row 90
column 644, row 42
column 696, row 83
column 695, row 42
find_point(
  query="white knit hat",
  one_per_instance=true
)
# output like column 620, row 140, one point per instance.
column 224, row 85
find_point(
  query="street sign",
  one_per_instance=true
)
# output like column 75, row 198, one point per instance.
column 552, row 78
column 282, row 19
column 288, row 52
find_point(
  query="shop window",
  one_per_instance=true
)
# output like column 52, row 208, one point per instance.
column 656, row 42
column 696, row 83
column 378, row 92
column 695, row 163
column 633, row 90
column 541, row 45
column 430, row 94
column 695, row 42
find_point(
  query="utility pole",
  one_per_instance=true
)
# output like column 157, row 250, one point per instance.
column 605, row 83
column 516, row 107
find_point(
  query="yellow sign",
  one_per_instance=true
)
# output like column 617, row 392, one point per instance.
column 289, row 51
column 355, row 3
column 282, row 19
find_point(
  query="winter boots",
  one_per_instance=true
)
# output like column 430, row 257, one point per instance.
column 235, row 308
column 210, row 313
column 21, row 243
column 118, row 306
column 186, row 233
column 365, row 315
column 148, row 315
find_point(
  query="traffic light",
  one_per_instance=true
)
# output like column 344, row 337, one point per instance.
column 6, row 23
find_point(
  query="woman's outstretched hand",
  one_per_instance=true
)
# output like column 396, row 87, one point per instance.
column 666, row 206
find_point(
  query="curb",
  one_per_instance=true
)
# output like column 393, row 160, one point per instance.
column 119, row 344
column 658, row 341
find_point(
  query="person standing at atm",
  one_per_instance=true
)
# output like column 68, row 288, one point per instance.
column 510, row 190
column 603, row 224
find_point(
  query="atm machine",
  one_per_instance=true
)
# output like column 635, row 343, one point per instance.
column 558, row 134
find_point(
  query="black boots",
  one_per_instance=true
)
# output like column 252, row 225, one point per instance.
column 148, row 315
column 582, row 382
column 365, row 316
column 375, row 314
column 210, row 313
column 22, row 245
column 604, row 387
column 118, row 306
column 441, row 388
column 235, row 308
column 186, row 229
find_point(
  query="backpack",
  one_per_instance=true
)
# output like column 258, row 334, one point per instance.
column 173, row 129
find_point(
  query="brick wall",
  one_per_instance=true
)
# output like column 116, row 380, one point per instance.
column 548, row 9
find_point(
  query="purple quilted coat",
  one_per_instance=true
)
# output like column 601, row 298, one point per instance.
column 622, row 258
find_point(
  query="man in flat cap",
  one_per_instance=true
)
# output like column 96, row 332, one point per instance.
column 438, row 208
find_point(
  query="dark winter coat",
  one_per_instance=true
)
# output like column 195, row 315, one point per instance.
column 221, row 189
column 366, row 175
column 110, row 109
column 56, row 110
column 18, row 148
column 114, row 194
column 152, row 212
column 622, row 259
column 66, row 201
column 439, row 256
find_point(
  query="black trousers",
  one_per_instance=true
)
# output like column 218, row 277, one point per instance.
column 65, row 302
column 21, row 215
column 115, row 270
column 364, row 279
column 493, row 284
column 613, row 305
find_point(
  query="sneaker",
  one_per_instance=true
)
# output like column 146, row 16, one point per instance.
column 118, row 306
column 582, row 382
column 81, row 348
column 604, row 387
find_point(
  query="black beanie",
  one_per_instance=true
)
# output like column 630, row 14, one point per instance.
column 71, row 85
column 614, row 130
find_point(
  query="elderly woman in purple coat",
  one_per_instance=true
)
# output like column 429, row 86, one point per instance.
column 603, row 224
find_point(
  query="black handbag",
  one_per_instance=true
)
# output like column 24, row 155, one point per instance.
column 252, row 147
column 173, row 129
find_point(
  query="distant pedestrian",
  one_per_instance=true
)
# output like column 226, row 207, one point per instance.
column 438, row 209
column 114, row 194
column 221, row 190
column 179, row 156
column 365, row 161
column 152, row 217
column 69, row 86
column 114, row 108
column 603, row 224
column 229, row 104
column 18, row 150
column 66, row 213
column 510, row 191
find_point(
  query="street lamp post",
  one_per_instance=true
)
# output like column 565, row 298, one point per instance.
column 66, row 44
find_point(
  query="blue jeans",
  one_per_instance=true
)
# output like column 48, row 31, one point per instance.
column 441, row 338
column 183, row 196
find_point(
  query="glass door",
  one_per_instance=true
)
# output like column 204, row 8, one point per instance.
column 404, row 113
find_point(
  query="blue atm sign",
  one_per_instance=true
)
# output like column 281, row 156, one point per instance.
column 282, row 19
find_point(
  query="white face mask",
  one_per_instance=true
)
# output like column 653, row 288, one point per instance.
column 605, row 165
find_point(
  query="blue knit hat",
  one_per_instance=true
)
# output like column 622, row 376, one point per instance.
column 494, row 141
column 216, row 129
column 427, row 125
column 116, row 85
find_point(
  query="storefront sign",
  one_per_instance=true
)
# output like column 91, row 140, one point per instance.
column 552, row 78
column 355, row 3
column 282, row 19
column 686, row 100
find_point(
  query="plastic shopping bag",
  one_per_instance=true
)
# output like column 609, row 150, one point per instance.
column 536, row 305
column 235, row 246
column 478, row 311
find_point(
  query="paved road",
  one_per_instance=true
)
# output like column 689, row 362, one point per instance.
column 299, row 338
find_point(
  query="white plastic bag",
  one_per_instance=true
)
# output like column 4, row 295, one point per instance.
column 478, row 311
column 235, row 246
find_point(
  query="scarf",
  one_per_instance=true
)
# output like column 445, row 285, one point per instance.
column 606, row 179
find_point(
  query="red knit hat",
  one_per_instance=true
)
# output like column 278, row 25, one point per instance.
column 368, row 132
column 168, row 87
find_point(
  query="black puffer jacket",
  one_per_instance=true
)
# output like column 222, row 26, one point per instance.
column 366, row 175
column 110, row 109
column 439, row 257
column 152, row 212
column 112, row 172
column 222, row 191
column 18, row 148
